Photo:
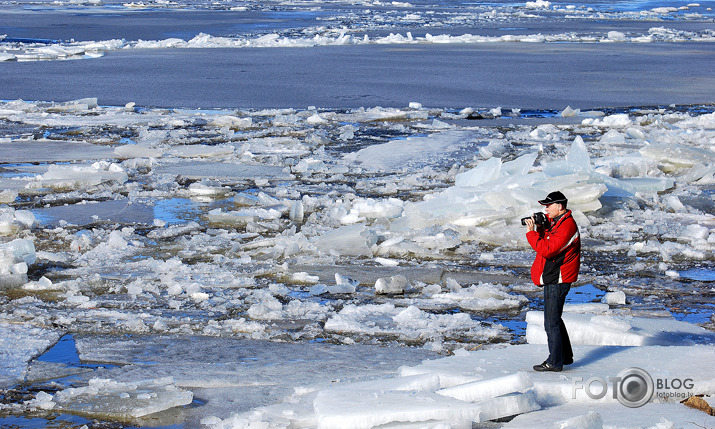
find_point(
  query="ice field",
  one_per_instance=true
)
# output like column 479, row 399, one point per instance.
column 344, row 250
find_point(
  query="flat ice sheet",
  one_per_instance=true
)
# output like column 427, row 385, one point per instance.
column 250, row 372
column 514, row 75
column 19, row 344
column 22, row 151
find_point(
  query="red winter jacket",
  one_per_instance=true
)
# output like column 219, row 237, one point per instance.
column 558, row 252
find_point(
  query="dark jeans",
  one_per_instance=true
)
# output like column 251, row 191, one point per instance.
column 556, row 335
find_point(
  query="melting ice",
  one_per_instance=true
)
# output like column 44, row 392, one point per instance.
column 227, row 228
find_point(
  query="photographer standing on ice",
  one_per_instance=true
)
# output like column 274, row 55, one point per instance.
column 558, row 258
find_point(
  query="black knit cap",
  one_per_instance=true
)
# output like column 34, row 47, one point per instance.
column 554, row 197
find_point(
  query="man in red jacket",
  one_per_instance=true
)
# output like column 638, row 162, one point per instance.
column 558, row 258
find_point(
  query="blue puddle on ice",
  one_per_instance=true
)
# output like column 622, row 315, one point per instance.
column 180, row 210
column 516, row 327
column 65, row 351
column 584, row 294
column 64, row 421
column 172, row 210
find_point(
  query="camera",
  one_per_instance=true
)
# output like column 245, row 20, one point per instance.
column 539, row 219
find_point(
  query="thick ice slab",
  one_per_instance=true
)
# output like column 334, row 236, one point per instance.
column 616, row 330
column 16, row 254
column 413, row 152
column 411, row 400
column 108, row 399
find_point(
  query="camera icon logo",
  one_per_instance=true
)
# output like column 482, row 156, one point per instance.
column 635, row 387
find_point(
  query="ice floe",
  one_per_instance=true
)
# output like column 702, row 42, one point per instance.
column 116, row 400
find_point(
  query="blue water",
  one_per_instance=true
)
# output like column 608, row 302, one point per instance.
column 65, row 351
column 701, row 314
column 584, row 294
column 699, row 274
column 176, row 211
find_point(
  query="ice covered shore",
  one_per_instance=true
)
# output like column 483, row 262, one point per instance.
column 481, row 385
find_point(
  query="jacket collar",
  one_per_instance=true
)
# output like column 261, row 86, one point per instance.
column 559, row 218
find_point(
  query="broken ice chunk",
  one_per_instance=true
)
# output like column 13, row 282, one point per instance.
column 297, row 211
column 578, row 157
column 7, row 196
column 570, row 112
column 12, row 257
column 343, row 285
column 106, row 398
column 393, row 284
column 481, row 297
column 614, row 298
column 351, row 240
column 242, row 217
column 205, row 189
column 675, row 156
column 77, row 176
column 482, row 390
column 508, row 405
column 412, row 151
column 402, row 399
column 43, row 401
column 201, row 151
column 74, row 106
column 484, row 172
column 136, row 151
column 408, row 323
column 610, row 330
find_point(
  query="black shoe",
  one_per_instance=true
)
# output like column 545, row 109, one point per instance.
column 568, row 361
column 547, row 367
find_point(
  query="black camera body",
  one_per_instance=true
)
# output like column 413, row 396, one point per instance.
column 540, row 220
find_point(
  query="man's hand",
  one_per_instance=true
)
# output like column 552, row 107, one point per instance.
column 530, row 225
